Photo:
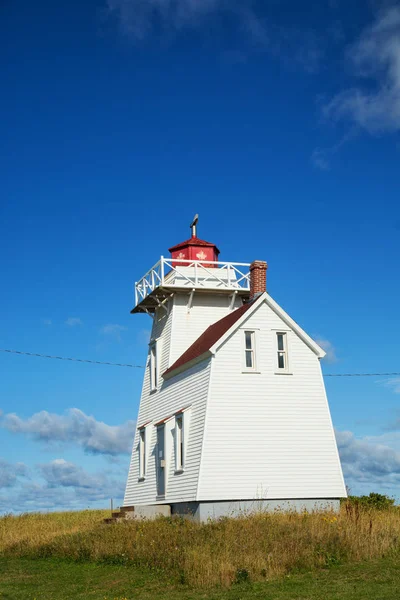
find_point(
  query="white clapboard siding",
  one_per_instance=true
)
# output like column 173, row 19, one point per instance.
column 188, row 325
column 187, row 389
column 268, row 435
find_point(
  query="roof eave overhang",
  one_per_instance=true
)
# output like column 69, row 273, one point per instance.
column 265, row 297
column 172, row 373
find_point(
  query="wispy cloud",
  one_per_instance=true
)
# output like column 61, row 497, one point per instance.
column 113, row 330
column 47, row 322
column 74, row 322
column 139, row 19
column 74, row 427
column 321, row 157
column 329, row 348
column 393, row 383
column 375, row 58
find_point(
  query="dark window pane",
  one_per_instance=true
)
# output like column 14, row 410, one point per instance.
column 248, row 336
column 281, row 360
column 280, row 342
column 249, row 359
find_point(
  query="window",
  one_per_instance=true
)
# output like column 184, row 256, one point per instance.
column 249, row 350
column 153, row 366
column 179, row 451
column 142, row 453
column 281, row 339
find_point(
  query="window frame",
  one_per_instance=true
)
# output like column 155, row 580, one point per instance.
column 282, row 352
column 253, row 350
column 179, row 443
column 142, row 453
column 153, row 365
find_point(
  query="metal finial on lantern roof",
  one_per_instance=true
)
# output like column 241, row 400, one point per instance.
column 193, row 226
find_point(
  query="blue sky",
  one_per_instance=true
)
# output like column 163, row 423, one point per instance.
column 278, row 122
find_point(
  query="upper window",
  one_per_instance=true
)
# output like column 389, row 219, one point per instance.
column 249, row 350
column 153, row 366
column 142, row 453
column 179, row 451
column 281, row 339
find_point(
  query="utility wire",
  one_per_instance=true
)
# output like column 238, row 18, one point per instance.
column 98, row 362
column 82, row 360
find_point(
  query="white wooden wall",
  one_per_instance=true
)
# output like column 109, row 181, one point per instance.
column 175, row 332
column 267, row 435
column 188, row 325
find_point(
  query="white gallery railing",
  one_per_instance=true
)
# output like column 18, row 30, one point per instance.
column 192, row 274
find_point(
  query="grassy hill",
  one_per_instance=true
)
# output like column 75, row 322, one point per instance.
column 354, row 554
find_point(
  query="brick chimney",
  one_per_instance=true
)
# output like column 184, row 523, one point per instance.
column 258, row 278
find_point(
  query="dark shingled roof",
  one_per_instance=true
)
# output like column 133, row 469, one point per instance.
column 207, row 339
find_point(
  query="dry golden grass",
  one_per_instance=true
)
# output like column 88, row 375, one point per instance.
column 257, row 547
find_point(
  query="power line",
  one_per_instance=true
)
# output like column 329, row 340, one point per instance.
column 360, row 374
column 82, row 360
column 110, row 364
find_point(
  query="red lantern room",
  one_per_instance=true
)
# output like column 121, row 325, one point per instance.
column 194, row 249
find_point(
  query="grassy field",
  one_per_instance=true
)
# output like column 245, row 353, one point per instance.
column 353, row 555
column 53, row 579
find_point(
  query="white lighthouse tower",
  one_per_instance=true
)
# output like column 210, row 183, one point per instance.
column 233, row 414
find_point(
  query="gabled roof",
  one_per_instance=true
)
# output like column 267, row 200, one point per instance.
column 207, row 339
column 216, row 334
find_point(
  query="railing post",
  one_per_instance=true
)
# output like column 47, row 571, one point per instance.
column 229, row 275
column 195, row 273
column 136, row 294
column 162, row 270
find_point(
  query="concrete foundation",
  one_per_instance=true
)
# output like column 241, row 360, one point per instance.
column 149, row 512
column 204, row 511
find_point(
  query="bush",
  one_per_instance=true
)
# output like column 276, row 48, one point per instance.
column 374, row 500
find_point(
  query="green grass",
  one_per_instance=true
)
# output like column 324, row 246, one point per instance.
column 54, row 579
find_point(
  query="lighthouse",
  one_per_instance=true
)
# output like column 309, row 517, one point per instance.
column 233, row 413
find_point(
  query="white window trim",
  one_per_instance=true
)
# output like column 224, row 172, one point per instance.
column 254, row 332
column 180, row 444
column 142, row 453
column 154, row 381
column 287, row 370
column 185, row 415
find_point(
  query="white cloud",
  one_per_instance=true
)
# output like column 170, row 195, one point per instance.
column 10, row 472
column 73, row 322
column 47, row 322
column 64, row 486
column 74, row 427
column 375, row 57
column 113, row 330
column 60, row 472
column 329, row 349
column 369, row 462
